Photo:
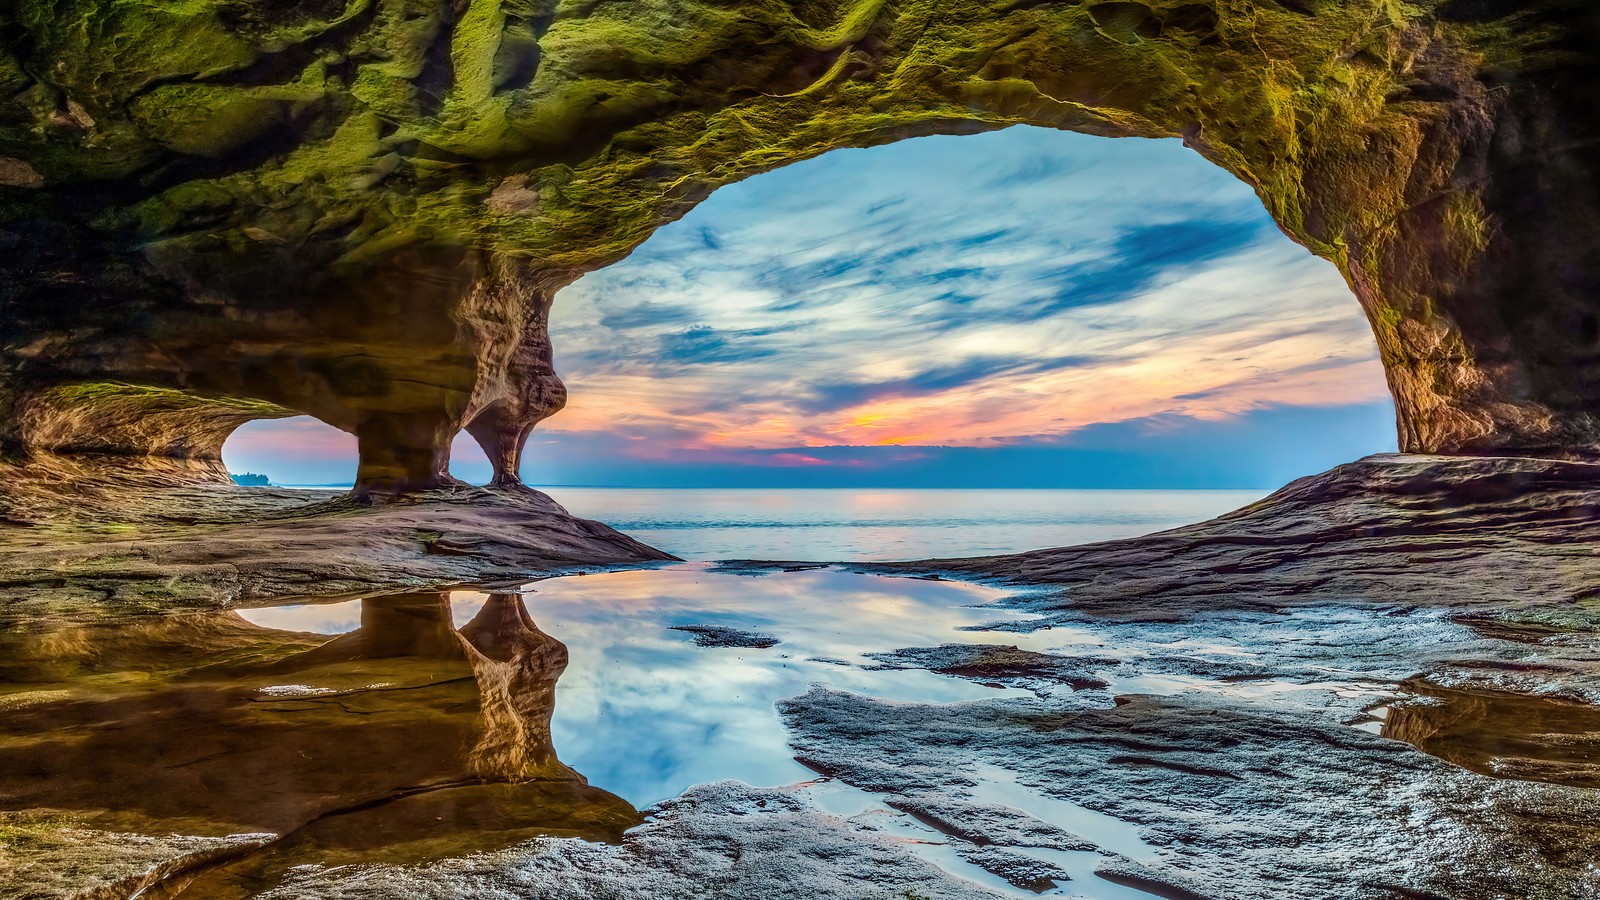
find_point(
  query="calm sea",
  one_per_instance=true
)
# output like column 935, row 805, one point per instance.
column 854, row 524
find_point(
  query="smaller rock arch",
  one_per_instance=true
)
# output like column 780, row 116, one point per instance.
column 297, row 451
column 135, row 425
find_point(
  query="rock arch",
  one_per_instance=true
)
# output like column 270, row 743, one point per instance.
column 362, row 210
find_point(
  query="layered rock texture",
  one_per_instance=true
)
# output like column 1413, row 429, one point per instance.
column 1494, row 538
column 229, row 209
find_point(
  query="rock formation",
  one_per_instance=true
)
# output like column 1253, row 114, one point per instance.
column 361, row 209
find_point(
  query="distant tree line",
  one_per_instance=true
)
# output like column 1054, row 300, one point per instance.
column 249, row 479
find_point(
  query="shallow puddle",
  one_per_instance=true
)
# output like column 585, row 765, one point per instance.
column 690, row 714
column 1499, row 733
column 412, row 727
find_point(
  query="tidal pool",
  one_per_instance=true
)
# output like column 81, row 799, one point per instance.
column 406, row 728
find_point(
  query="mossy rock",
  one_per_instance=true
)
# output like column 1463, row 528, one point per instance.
column 263, row 192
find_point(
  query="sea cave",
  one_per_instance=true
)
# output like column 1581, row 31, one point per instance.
column 361, row 222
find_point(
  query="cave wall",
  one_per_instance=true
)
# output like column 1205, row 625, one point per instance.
column 362, row 209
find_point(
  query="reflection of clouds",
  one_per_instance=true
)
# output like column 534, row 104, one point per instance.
column 646, row 713
column 815, row 306
column 322, row 618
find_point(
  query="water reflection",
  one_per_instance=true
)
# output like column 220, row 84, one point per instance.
column 414, row 727
column 403, row 740
column 688, row 714
column 1500, row 733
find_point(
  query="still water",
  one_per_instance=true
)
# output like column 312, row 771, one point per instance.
column 857, row 524
column 407, row 728
column 564, row 708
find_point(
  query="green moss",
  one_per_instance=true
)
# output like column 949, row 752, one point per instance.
column 650, row 103
column 99, row 393
column 238, row 135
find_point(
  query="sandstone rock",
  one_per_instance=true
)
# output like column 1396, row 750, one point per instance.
column 1001, row 665
column 1313, row 809
column 1509, row 538
column 724, row 839
column 146, row 538
column 429, row 180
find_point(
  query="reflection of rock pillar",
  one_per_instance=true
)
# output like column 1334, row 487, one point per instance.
column 516, row 665
column 407, row 625
column 401, row 625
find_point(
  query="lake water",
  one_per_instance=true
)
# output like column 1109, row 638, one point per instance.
column 644, row 708
column 567, row 707
column 853, row 524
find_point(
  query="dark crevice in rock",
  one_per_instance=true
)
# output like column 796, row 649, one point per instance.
column 437, row 78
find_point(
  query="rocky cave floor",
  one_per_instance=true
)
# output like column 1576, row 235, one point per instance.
column 85, row 541
column 1466, row 592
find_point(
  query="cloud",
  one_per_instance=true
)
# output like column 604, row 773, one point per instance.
column 961, row 290
column 703, row 344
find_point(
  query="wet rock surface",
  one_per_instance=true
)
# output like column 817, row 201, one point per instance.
column 1020, row 871
column 986, row 824
column 121, row 545
column 47, row 856
column 1268, row 678
column 1503, row 539
column 1000, row 665
column 717, row 840
column 1238, row 800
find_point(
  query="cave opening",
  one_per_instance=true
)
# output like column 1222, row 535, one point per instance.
column 1020, row 308
column 303, row 451
column 300, row 451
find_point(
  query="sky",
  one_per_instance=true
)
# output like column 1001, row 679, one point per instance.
column 1024, row 308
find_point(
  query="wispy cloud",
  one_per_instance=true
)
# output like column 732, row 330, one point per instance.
column 963, row 291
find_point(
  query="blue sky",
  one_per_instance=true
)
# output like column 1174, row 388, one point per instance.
column 1026, row 308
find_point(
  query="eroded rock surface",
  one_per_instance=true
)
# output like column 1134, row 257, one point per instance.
column 1237, row 799
column 362, row 210
column 719, row 840
column 724, row 636
column 144, row 542
column 1510, row 540
column 1000, row 665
